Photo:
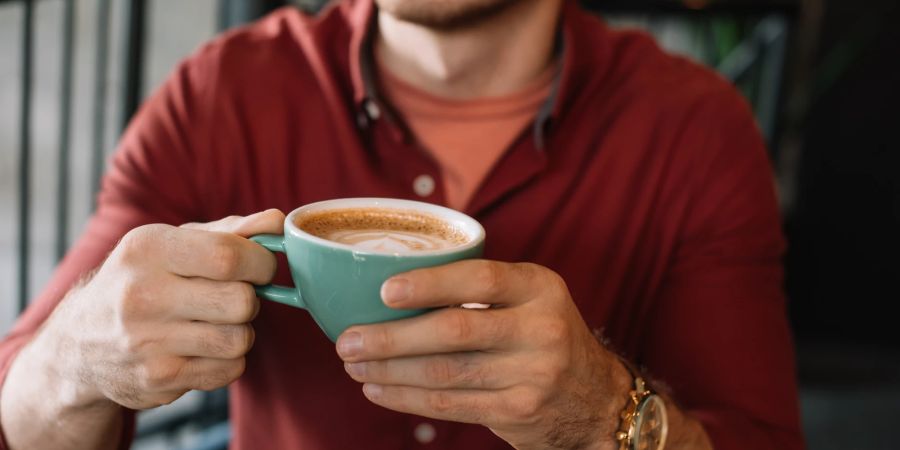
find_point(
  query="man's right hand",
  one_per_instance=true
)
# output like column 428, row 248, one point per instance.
column 167, row 312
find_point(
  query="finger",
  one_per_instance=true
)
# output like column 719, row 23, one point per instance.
column 443, row 331
column 206, row 340
column 470, row 281
column 268, row 221
column 217, row 256
column 217, row 302
column 453, row 405
column 207, row 374
column 469, row 370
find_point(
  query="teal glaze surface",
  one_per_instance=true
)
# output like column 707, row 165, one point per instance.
column 339, row 286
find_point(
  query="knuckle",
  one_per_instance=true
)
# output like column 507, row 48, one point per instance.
column 376, row 370
column 440, row 402
column 556, row 282
column 556, row 371
column 550, row 372
column 276, row 216
column 438, row 371
column 490, row 277
column 135, row 243
column 217, row 343
column 214, row 379
column 383, row 340
column 247, row 303
column 226, row 257
column 524, row 269
column 499, row 327
column 135, row 300
column 462, row 370
column 237, row 369
column 219, row 378
column 208, row 381
column 555, row 333
column 228, row 223
column 249, row 339
column 527, row 407
column 130, row 343
column 475, row 374
column 456, row 326
column 160, row 375
column 235, row 340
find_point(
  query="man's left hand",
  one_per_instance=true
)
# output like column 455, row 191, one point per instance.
column 527, row 367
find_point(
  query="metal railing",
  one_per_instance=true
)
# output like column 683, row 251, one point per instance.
column 131, row 95
column 232, row 12
column 24, row 227
column 211, row 410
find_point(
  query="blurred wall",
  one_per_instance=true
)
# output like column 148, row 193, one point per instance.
column 174, row 29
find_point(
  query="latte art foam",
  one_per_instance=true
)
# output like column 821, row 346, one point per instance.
column 390, row 241
column 383, row 230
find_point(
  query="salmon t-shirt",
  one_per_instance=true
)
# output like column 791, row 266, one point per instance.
column 465, row 137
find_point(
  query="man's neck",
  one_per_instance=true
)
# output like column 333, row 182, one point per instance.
column 494, row 57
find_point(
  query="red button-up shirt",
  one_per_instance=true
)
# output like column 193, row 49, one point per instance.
column 644, row 182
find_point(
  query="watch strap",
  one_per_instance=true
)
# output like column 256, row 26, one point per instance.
column 640, row 391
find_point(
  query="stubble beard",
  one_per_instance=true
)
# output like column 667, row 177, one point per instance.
column 445, row 15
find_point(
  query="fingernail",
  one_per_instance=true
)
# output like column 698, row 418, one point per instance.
column 355, row 369
column 395, row 290
column 349, row 344
column 372, row 391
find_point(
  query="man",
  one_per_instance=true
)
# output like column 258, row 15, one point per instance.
column 633, row 184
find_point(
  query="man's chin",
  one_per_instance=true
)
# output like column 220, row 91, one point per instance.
column 444, row 14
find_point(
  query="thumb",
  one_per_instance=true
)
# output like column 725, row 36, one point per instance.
column 269, row 221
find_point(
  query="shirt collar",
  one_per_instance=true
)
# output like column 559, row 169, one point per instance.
column 365, row 93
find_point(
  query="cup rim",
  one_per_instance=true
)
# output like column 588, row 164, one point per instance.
column 467, row 224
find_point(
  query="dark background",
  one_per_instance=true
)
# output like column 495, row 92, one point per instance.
column 844, row 231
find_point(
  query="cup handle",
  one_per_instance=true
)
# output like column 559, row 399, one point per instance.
column 281, row 294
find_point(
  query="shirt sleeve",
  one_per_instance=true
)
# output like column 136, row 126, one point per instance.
column 150, row 180
column 719, row 335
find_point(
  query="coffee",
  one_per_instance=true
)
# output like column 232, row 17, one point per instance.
column 383, row 230
column 340, row 285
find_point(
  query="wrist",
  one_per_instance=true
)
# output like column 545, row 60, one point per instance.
column 40, row 409
column 615, row 383
column 645, row 423
column 621, row 383
column 51, row 363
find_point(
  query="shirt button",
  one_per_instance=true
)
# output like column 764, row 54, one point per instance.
column 373, row 110
column 423, row 185
column 425, row 433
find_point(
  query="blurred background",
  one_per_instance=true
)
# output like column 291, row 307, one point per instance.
column 822, row 76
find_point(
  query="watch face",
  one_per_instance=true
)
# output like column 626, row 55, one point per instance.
column 652, row 425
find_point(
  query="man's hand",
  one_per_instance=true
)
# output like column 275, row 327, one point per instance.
column 528, row 367
column 167, row 312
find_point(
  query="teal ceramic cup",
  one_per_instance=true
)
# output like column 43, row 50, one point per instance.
column 340, row 285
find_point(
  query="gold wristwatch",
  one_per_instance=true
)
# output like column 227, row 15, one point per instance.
column 644, row 422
